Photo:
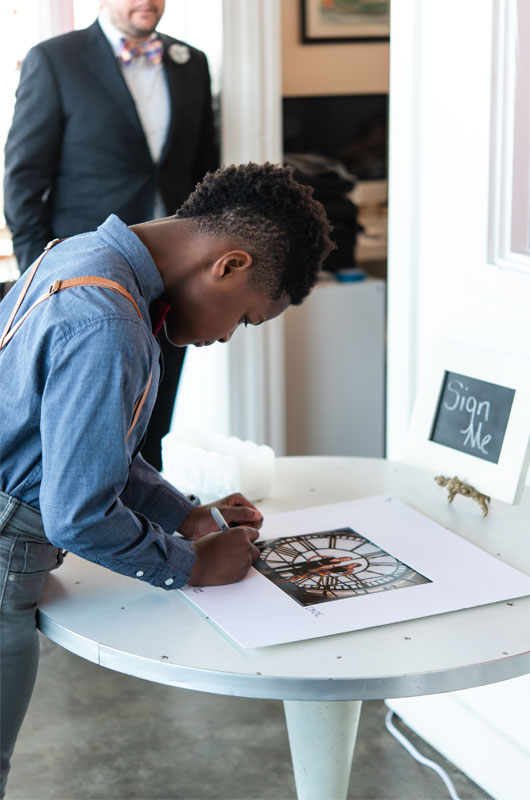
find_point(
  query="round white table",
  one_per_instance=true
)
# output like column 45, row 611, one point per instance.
column 131, row 627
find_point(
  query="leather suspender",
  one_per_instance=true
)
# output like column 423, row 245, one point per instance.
column 58, row 286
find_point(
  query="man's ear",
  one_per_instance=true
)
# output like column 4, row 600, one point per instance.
column 234, row 262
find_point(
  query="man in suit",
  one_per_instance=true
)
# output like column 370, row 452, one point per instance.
column 115, row 118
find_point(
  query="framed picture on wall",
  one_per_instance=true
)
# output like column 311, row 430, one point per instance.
column 328, row 21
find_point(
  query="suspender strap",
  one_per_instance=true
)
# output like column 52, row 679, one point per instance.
column 58, row 286
column 24, row 291
column 138, row 407
column 94, row 280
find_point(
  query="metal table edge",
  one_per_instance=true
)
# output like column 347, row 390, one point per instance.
column 271, row 687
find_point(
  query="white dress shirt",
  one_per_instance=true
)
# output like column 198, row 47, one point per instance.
column 147, row 83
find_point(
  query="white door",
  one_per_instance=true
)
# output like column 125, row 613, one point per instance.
column 458, row 255
column 458, row 258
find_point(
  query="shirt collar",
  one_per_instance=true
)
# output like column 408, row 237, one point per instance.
column 119, row 235
column 112, row 33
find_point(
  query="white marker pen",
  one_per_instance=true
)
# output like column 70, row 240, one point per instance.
column 218, row 517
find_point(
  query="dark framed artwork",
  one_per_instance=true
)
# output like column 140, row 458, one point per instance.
column 328, row 21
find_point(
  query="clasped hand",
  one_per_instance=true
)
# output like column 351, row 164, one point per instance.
column 222, row 556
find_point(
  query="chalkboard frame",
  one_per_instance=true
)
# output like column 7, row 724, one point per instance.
column 503, row 480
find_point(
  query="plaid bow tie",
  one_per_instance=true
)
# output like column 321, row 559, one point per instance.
column 152, row 48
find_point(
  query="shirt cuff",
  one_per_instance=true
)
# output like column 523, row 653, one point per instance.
column 177, row 569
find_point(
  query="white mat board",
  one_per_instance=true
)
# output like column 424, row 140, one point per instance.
column 256, row 612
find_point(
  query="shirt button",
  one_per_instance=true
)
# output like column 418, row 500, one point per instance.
column 169, row 581
column 139, row 573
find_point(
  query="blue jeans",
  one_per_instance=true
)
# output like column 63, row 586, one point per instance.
column 26, row 558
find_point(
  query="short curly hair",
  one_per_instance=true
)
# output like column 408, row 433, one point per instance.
column 271, row 216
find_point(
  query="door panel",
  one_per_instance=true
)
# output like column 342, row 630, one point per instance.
column 456, row 160
column 448, row 95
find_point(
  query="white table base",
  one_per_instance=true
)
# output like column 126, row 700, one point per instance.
column 322, row 739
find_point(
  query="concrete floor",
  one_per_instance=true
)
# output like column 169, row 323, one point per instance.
column 93, row 734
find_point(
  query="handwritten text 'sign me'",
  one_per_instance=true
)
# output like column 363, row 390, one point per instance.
column 472, row 416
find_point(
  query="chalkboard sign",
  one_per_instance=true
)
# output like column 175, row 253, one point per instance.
column 472, row 416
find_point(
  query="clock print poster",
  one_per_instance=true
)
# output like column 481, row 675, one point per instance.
column 332, row 565
column 350, row 566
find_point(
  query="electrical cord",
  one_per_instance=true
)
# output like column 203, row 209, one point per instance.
column 418, row 756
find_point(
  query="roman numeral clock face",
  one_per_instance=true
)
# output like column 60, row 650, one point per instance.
column 319, row 567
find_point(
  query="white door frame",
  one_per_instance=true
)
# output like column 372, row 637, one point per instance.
column 55, row 17
column 403, row 267
column 251, row 130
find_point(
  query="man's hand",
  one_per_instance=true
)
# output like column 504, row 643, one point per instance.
column 224, row 557
column 235, row 508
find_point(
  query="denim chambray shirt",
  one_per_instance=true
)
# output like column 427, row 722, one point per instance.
column 69, row 379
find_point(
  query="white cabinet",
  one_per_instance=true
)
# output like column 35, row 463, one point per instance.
column 335, row 370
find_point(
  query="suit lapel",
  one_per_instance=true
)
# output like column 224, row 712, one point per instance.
column 177, row 84
column 102, row 63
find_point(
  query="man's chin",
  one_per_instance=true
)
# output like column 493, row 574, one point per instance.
column 141, row 33
column 173, row 337
column 175, row 341
column 145, row 27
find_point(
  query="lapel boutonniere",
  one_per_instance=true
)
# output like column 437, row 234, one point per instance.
column 179, row 53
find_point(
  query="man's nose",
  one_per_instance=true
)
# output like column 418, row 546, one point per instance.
column 226, row 338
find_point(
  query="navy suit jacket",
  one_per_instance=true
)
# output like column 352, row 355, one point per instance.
column 76, row 150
